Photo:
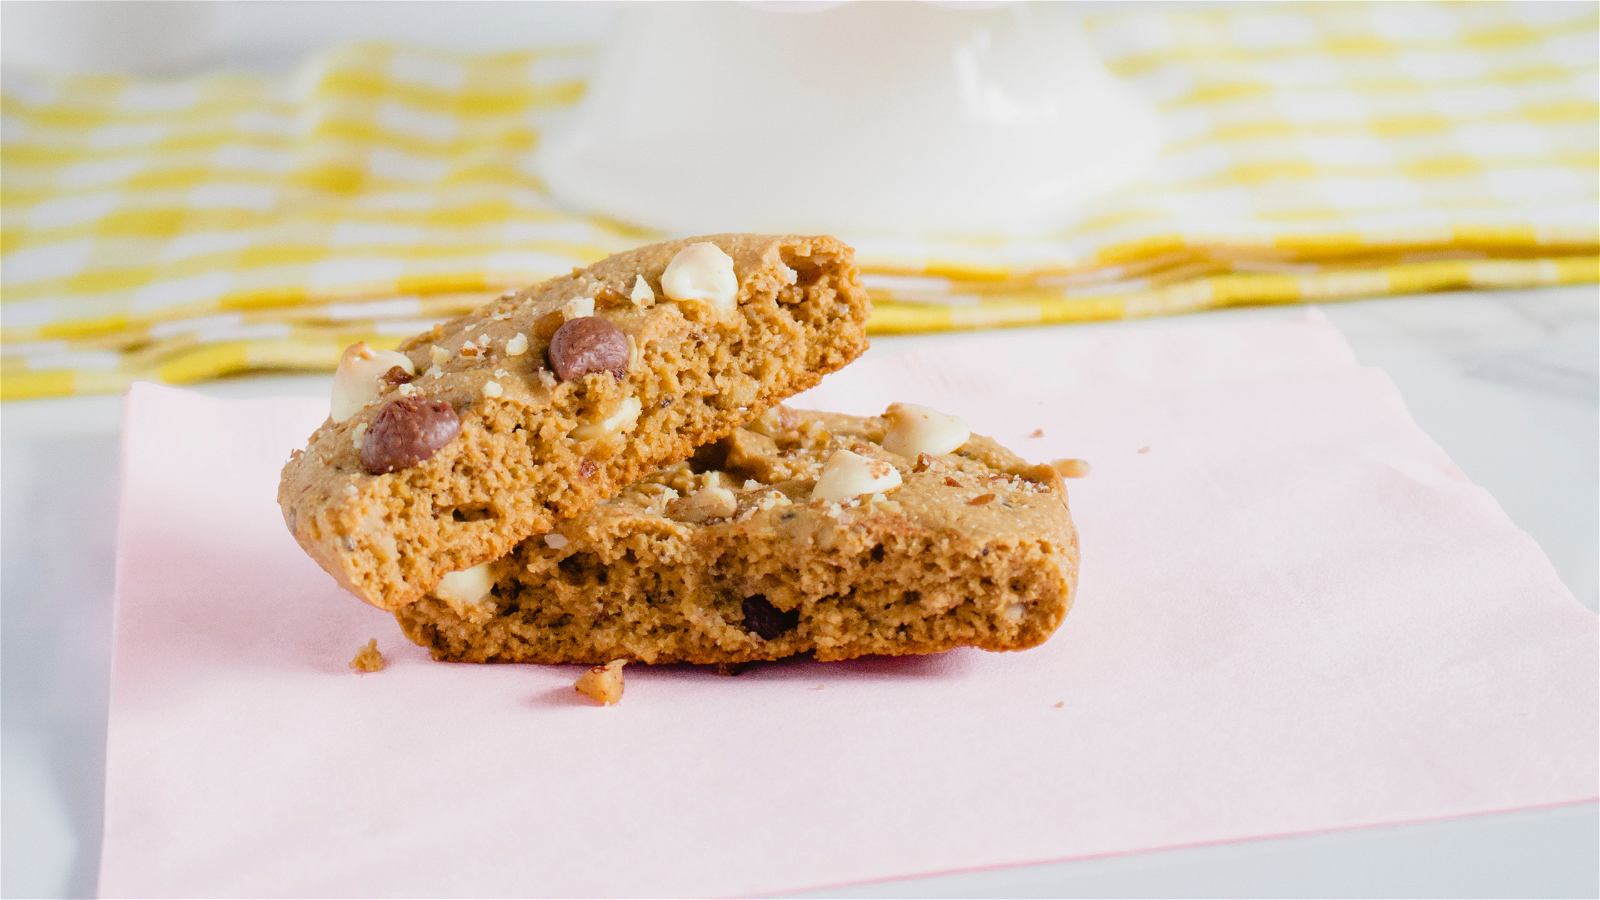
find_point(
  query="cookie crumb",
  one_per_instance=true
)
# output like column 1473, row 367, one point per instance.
column 603, row 683
column 368, row 659
column 1061, row 704
column 1037, row 432
column 1071, row 468
column 1145, row 449
column 819, row 687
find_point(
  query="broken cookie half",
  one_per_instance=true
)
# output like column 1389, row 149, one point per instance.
column 445, row 453
column 800, row 533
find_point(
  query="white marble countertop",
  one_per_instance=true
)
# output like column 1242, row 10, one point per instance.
column 1506, row 382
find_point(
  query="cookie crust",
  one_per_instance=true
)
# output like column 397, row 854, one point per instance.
column 528, row 452
column 976, row 548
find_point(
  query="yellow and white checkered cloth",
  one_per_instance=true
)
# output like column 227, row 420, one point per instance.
column 184, row 230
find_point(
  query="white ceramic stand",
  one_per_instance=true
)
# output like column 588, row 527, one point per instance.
column 863, row 118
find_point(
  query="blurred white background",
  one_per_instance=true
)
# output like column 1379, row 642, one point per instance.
column 174, row 37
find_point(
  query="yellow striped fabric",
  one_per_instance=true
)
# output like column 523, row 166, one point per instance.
column 185, row 230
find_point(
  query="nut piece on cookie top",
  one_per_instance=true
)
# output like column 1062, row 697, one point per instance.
column 491, row 427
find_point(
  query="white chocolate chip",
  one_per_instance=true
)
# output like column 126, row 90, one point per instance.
column 577, row 308
column 751, row 484
column 702, row 273
column 517, row 345
column 626, row 416
column 438, row 355
column 847, row 475
column 466, row 591
column 434, row 371
column 355, row 384
column 642, row 296
column 547, row 379
column 407, row 389
column 714, row 502
column 492, row 389
column 917, row 429
column 357, row 434
column 556, row 541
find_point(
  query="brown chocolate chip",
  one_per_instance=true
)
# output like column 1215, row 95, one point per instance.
column 397, row 376
column 609, row 296
column 767, row 621
column 980, row 500
column 588, row 344
column 406, row 432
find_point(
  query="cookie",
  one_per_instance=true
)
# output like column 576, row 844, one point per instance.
column 802, row 533
column 446, row 453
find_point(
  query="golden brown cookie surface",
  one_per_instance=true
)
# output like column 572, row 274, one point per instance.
column 492, row 440
column 729, row 558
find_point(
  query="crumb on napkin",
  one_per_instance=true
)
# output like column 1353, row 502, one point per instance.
column 368, row 659
column 1071, row 468
column 1037, row 432
column 603, row 683
column 1145, row 449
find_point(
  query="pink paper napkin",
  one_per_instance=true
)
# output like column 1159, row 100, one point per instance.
column 1295, row 615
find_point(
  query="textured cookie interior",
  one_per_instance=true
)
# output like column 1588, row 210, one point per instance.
column 920, row 570
column 521, row 460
